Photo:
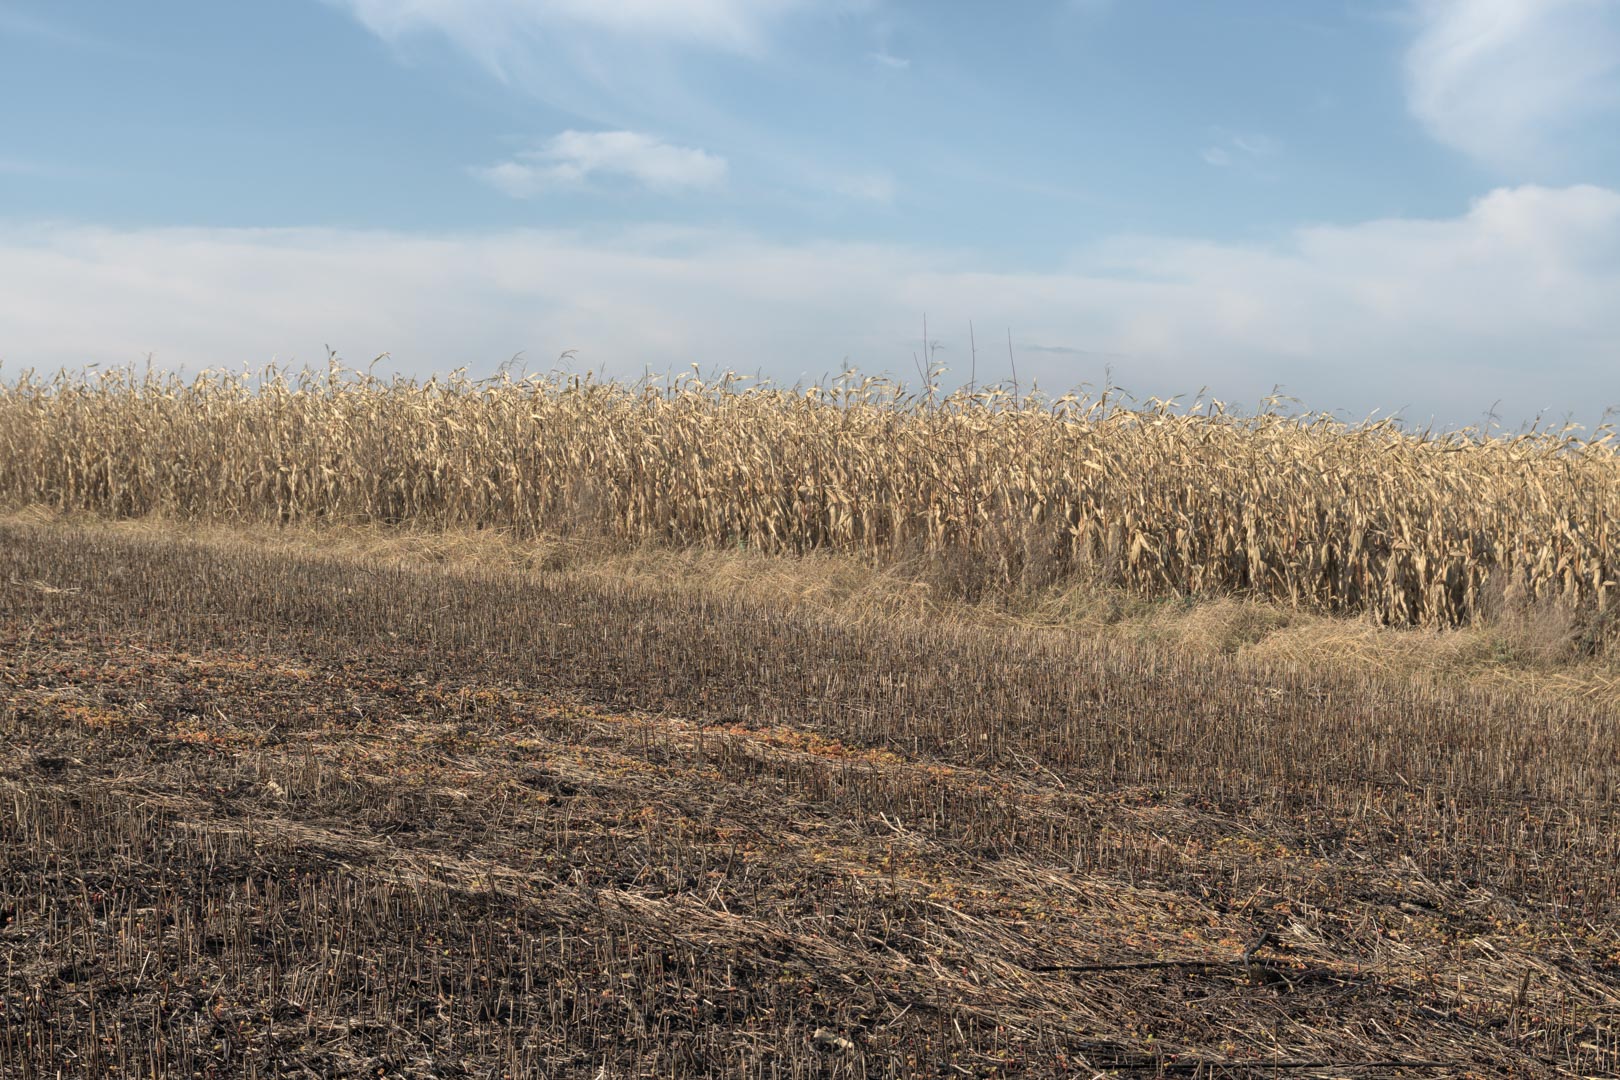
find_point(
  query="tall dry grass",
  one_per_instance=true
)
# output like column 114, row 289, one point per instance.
column 989, row 490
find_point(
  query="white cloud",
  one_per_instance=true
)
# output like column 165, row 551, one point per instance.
column 1505, row 81
column 1517, row 299
column 575, row 157
column 885, row 59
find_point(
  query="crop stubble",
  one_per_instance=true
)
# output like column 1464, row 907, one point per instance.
column 269, row 813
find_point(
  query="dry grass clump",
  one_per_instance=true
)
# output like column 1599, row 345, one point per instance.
column 984, row 491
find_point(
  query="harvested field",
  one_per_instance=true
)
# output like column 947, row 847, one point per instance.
column 280, row 814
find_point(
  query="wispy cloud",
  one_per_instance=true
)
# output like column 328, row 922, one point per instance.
column 1505, row 80
column 1228, row 148
column 885, row 59
column 642, row 65
column 20, row 24
column 1439, row 314
column 1071, row 351
column 574, row 158
column 490, row 29
column 23, row 167
column 868, row 187
column 38, row 169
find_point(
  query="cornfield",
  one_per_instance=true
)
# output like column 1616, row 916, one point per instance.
column 1012, row 492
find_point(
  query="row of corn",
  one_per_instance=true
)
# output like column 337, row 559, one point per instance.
column 1022, row 491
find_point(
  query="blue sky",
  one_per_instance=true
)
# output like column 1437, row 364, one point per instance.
column 1381, row 204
